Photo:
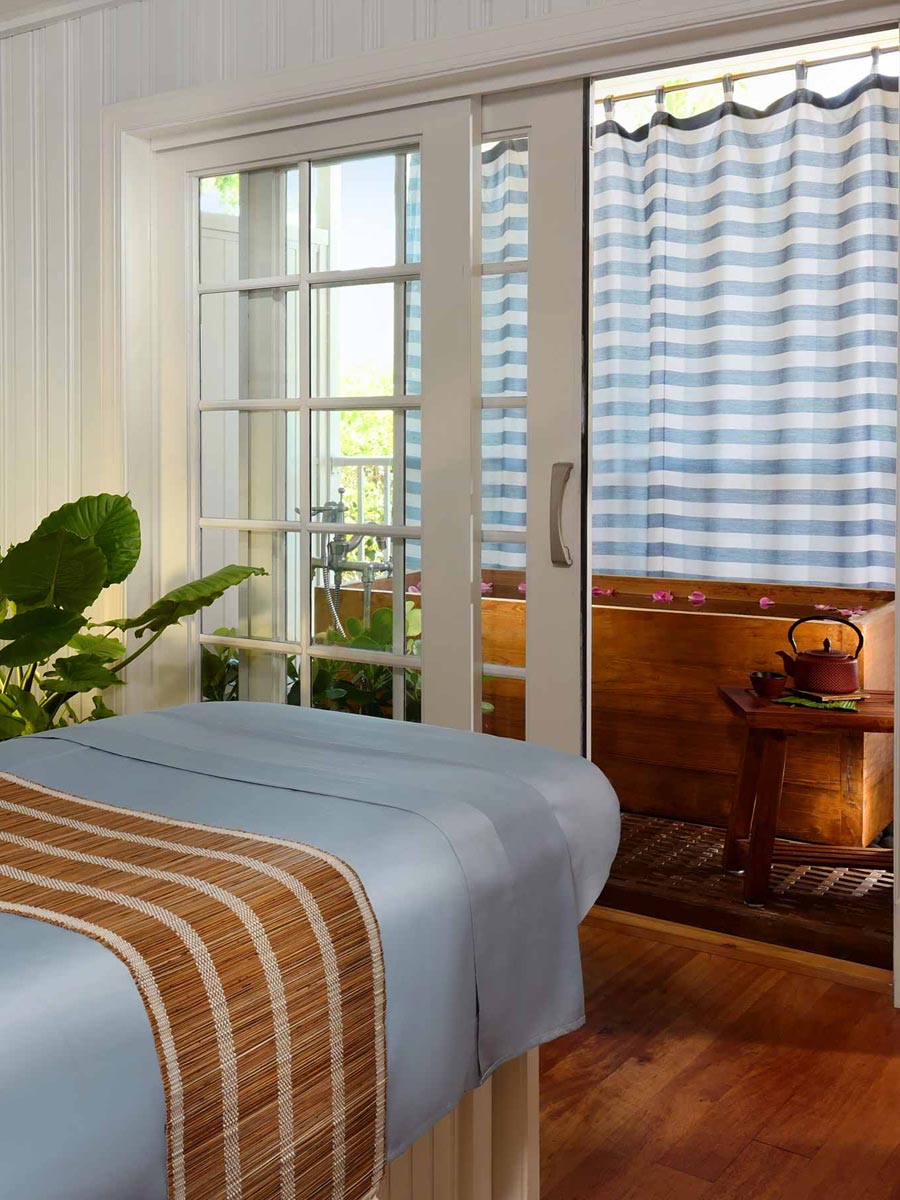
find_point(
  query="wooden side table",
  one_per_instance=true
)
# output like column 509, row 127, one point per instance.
column 750, row 843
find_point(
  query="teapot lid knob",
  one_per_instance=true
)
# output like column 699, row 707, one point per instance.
column 827, row 645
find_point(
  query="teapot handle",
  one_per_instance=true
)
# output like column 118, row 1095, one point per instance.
column 833, row 620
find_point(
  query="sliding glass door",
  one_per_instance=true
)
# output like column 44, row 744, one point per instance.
column 383, row 385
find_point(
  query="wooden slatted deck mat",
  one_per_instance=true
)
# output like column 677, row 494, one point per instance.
column 672, row 869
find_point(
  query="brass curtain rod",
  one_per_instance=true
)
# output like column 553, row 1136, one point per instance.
column 664, row 89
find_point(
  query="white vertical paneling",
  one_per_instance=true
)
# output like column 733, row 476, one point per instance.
column 168, row 44
column 21, row 446
column 248, row 27
column 508, row 12
column 207, row 46
column 127, row 56
column 298, row 21
column 57, row 263
column 346, row 28
column 275, row 53
column 424, row 20
column 398, row 22
column 372, row 15
column 7, row 296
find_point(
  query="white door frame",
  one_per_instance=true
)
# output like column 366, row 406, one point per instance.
column 448, row 134
column 633, row 35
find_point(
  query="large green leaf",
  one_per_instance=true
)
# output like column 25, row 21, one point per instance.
column 54, row 569
column 381, row 626
column 35, row 718
column 80, row 673
column 104, row 649
column 110, row 522
column 187, row 599
column 34, row 635
column 11, row 727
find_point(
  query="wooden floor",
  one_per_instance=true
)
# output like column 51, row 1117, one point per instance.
column 707, row 1076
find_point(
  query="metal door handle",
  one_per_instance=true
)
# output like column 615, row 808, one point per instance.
column 560, row 554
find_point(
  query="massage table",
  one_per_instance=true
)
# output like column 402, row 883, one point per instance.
column 478, row 855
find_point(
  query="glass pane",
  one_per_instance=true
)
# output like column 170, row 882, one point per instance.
column 503, row 602
column 359, row 460
column 249, row 465
column 249, row 225
column 352, row 338
column 356, row 208
column 504, row 200
column 413, row 207
column 504, row 335
column 263, row 606
column 249, row 346
column 503, row 468
column 503, row 605
column 369, row 689
column 503, row 706
column 413, row 366
column 228, row 673
column 353, row 593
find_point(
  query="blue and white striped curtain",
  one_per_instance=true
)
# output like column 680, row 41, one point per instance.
column 745, row 342
column 504, row 190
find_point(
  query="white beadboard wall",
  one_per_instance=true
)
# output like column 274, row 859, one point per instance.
column 55, row 439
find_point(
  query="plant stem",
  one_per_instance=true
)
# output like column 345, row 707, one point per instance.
column 122, row 663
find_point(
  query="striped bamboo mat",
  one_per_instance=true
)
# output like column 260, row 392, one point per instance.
column 259, row 962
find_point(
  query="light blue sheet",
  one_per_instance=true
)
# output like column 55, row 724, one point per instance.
column 479, row 856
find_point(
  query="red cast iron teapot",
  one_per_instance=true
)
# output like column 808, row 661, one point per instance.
column 826, row 671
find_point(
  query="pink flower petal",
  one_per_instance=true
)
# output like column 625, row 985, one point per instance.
column 825, row 607
column 846, row 612
column 486, row 588
column 598, row 591
column 414, row 589
column 765, row 602
column 859, row 610
column 522, row 587
column 663, row 597
column 697, row 598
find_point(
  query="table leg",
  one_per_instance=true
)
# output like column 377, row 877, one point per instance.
column 765, row 817
column 744, row 799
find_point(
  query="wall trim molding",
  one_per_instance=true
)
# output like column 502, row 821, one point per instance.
column 621, row 36
column 49, row 14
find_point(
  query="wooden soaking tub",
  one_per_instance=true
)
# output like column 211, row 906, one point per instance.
column 667, row 743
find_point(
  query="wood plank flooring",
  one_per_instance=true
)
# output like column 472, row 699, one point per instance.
column 705, row 1074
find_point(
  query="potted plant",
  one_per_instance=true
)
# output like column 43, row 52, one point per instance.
column 50, row 650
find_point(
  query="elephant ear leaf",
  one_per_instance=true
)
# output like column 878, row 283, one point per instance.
column 36, row 720
column 110, row 522
column 34, row 635
column 56, row 569
column 104, row 649
column 79, row 673
column 187, row 599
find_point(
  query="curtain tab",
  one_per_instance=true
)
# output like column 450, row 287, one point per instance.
column 876, row 56
column 608, row 104
column 800, row 71
column 728, row 87
column 660, row 99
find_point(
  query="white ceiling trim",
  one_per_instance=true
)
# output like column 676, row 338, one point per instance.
column 49, row 14
column 618, row 36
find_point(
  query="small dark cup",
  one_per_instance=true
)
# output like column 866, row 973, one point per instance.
column 769, row 684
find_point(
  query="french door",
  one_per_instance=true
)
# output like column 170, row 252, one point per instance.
column 369, row 338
